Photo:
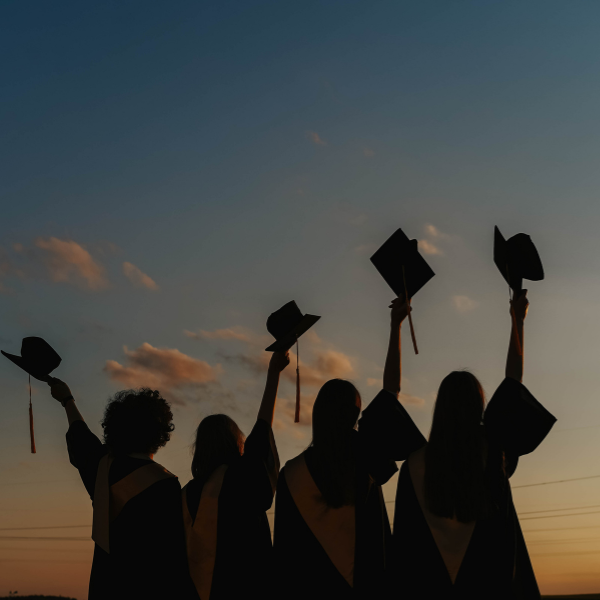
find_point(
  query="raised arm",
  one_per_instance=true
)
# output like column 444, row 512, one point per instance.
column 392, row 371
column 60, row 391
column 514, row 360
column 279, row 361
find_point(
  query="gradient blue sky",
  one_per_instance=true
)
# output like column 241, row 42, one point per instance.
column 241, row 154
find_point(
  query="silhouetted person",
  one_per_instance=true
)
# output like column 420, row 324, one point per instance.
column 138, row 521
column 229, row 547
column 456, row 531
column 332, row 535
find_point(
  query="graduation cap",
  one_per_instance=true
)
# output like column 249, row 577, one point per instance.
column 403, row 269
column 38, row 359
column 517, row 259
column 286, row 325
column 515, row 419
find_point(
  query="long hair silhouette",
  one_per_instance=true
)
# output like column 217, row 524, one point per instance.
column 455, row 456
column 218, row 441
column 335, row 413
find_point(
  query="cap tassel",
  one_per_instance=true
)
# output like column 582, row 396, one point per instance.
column 297, row 416
column 31, row 436
column 407, row 300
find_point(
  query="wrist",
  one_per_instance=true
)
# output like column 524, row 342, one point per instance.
column 65, row 401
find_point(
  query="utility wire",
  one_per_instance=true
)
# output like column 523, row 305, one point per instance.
column 514, row 487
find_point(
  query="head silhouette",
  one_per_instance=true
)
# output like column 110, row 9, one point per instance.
column 335, row 413
column 218, row 441
column 455, row 455
column 137, row 421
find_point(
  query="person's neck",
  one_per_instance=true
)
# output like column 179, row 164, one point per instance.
column 142, row 455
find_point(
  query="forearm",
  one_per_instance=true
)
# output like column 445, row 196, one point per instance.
column 72, row 411
column 514, row 360
column 392, row 371
column 267, row 405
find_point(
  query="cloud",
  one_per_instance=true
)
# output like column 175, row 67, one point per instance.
column 137, row 277
column 232, row 333
column 165, row 369
column 412, row 400
column 315, row 138
column 326, row 364
column 69, row 262
column 434, row 232
column 365, row 248
column 464, row 304
column 374, row 381
column 429, row 248
column 368, row 152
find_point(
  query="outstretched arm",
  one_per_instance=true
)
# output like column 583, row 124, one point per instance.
column 392, row 371
column 279, row 361
column 514, row 360
column 60, row 391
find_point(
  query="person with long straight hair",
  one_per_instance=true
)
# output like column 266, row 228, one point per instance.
column 332, row 535
column 228, row 537
column 456, row 532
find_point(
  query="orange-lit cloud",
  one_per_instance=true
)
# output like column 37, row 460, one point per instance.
column 137, row 277
column 165, row 369
column 429, row 248
column 404, row 398
column 69, row 262
column 232, row 333
column 315, row 138
column 464, row 304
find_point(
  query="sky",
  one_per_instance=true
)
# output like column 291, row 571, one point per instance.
column 172, row 173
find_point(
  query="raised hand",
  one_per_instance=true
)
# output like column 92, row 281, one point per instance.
column 520, row 306
column 399, row 310
column 59, row 389
column 279, row 361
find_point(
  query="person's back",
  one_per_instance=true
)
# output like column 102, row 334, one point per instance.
column 138, row 520
column 227, row 532
column 456, row 531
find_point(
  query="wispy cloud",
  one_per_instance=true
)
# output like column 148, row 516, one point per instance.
column 434, row 232
column 315, row 138
column 69, row 262
column 232, row 333
column 166, row 369
column 430, row 248
column 138, row 278
column 464, row 304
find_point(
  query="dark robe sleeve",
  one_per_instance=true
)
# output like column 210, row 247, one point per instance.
column 388, row 434
column 516, row 422
column 259, row 466
column 85, row 452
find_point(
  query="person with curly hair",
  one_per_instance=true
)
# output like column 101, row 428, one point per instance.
column 230, row 554
column 137, row 521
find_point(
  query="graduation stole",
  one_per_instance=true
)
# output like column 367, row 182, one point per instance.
column 110, row 500
column 201, row 533
column 334, row 528
column 451, row 537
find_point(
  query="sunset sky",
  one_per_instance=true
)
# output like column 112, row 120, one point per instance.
column 174, row 172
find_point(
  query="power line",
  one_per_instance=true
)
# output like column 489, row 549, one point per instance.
column 595, row 512
column 561, row 528
column 514, row 487
column 32, row 482
column 533, row 512
column 55, row 527
column 45, row 539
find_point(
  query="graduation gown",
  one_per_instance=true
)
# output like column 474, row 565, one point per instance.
column 146, row 557
column 323, row 552
column 230, row 553
column 486, row 558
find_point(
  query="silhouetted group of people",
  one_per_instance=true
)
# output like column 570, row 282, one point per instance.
column 456, row 532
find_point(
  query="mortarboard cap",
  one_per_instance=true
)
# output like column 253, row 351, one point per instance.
column 399, row 260
column 517, row 259
column 286, row 325
column 38, row 358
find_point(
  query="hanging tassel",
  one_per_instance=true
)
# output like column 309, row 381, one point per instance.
column 31, row 436
column 297, row 417
column 406, row 299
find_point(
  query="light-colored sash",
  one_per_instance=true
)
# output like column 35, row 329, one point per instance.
column 451, row 536
column 109, row 502
column 201, row 534
column 334, row 528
